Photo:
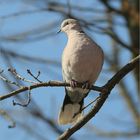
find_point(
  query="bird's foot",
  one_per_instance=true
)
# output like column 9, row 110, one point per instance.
column 73, row 83
column 86, row 85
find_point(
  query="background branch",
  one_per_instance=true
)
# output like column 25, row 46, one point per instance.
column 28, row 40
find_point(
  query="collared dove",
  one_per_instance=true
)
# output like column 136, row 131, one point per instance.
column 82, row 62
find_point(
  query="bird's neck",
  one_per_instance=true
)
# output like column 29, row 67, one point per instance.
column 74, row 33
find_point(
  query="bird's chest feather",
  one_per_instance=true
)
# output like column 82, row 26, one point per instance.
column 76, row 61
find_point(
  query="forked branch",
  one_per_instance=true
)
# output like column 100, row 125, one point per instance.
column 105, row 91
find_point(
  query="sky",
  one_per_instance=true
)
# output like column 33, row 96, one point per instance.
column 50, row 48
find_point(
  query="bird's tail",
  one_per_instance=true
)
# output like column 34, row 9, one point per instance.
column 70, row 112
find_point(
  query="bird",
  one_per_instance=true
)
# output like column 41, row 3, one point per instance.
column 82, row 61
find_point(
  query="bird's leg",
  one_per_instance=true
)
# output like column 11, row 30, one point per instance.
column 73, row 83
column 86, row 85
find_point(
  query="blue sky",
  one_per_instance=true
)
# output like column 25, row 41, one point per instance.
column 51, row 47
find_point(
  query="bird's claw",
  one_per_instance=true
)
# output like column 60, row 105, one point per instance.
column 86, row 85
column 73, row 83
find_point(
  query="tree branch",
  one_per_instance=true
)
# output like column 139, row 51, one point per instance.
column 45, row 84
column 108, row 87
column 105, row 90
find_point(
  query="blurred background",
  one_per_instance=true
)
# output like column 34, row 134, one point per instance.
column 28, row 40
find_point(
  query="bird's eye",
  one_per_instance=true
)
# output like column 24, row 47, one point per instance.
column 66, row 23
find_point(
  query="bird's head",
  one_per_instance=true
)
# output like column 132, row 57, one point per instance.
column 70, row 24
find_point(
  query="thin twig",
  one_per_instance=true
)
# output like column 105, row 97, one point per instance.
column 35, row 77
column 9, row 118
column 38, row 74
column 24, row 57
column 13, row 71
column 86, row 106
column 27, row 102
column 69, row 8
column 90, row 103
column 1, row 71
column 8, row 81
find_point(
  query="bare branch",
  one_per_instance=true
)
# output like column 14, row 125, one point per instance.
column 8, row 81
column 13, row 71
column 110, row 8
column 35, row 77
column 105, row 90
column 27, row 101
column 108, row 87
column 114, row 80
column 45, row 84
column 87, row 106
column 9, row 118
column 16, row 55
column 114, row 134
column 90, row 103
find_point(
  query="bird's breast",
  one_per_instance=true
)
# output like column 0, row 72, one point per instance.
column 79, row 61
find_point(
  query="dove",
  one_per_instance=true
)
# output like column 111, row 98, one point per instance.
column 82, row 61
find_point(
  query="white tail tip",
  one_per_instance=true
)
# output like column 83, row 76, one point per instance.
column 70, row 114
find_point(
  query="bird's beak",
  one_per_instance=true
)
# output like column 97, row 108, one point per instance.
column 58, row 31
